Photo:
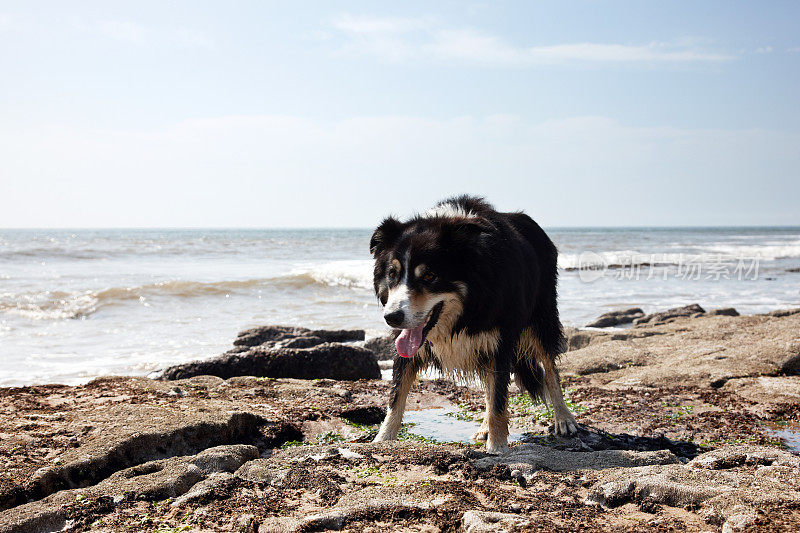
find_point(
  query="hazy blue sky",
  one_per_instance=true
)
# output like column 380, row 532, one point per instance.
column 335, row 113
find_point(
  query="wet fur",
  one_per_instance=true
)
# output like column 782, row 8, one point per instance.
column 497, row 276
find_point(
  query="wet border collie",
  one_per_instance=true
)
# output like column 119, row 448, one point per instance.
column 473, row 293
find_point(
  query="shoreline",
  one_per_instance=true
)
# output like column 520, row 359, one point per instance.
column 373, row 335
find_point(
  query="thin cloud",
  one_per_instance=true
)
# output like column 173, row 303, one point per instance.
column 422, row 39
column 136, row 34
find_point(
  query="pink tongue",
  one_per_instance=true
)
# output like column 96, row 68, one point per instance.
column 409, row 341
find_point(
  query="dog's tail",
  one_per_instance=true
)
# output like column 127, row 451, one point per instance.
column 530, row 378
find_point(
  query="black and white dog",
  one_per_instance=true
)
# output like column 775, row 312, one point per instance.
column 473, row 292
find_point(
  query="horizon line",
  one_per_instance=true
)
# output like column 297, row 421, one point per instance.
column 367, row 228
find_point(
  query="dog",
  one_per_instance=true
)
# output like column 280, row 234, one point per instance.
column 473, row 293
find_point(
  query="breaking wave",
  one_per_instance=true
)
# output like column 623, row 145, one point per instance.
column 706, row 253
column 56, row 304
column 355, row 274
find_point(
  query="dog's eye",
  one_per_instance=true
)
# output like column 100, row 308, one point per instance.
column 428, row 277
column 392, row 273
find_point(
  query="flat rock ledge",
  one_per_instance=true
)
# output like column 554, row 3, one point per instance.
column 681, row 424
column 700, row 350
column 354, row 487
column 288, row 352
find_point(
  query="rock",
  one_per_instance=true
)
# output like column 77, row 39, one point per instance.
column 616, row 355
column 710, row 352
column 280, row 524
column 725, row 311
column 364, row 415
column 136, row 434
column 383, row 346
column 328, row 360
column 730, row 457
column 577, row 339
column 784, row 312
column 669, row 315
column 764, row 391
column 716, row 482
column 592, row 439
column 488, row 522
column 155, row 480
column 203, row 488
column 739, row 522
column 527, row 458
column 615, row 318
column 260, row 335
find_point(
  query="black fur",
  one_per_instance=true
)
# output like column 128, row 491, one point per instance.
column 508, row 264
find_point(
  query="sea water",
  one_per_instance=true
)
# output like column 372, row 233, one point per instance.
column 76, row 304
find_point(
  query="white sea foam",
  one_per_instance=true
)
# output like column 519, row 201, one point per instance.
column 699, row 254
column 57, row 305
column 352, row 273
column 769, row 251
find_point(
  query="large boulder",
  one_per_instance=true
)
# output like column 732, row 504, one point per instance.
column 725, row 311
column 286, row 334
column 383, row 346
column 328, row 360
column 614, row 318
column 287, row 352
column 669, row 315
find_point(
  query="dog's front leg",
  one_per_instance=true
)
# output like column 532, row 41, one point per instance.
column 404, row 373
column 497, row 387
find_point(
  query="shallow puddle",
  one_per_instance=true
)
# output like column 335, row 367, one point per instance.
column 443, row 425
column 791, row 437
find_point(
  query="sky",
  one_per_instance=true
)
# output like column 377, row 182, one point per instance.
column 335, row 114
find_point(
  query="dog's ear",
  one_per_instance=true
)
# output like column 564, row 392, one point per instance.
column 385, row 234
column 468, row 230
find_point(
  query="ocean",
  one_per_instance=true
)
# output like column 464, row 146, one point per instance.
column 76, row 304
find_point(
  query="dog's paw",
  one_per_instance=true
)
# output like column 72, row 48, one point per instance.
column 498, row 448
column 481, row 435
column 383, row 437
column 566, row 427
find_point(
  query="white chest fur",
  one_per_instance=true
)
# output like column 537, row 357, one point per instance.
column 460, row 353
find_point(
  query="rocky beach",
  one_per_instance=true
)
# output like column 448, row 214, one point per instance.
column 689, row 421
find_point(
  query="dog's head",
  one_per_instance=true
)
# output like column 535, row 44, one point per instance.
column 422, row 273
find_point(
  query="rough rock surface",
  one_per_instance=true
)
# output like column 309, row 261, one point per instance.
column 278, row 334
column 287, row 352
column 154, row 480
column 382, row 346
column 724, row 485
column 323, row 361
column 703, row 351
column 669, row 315
column 724, row 311
column 614, row 318
column 489, row 522
column 680, row 432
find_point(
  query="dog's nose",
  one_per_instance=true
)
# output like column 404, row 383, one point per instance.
column 395, row 318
